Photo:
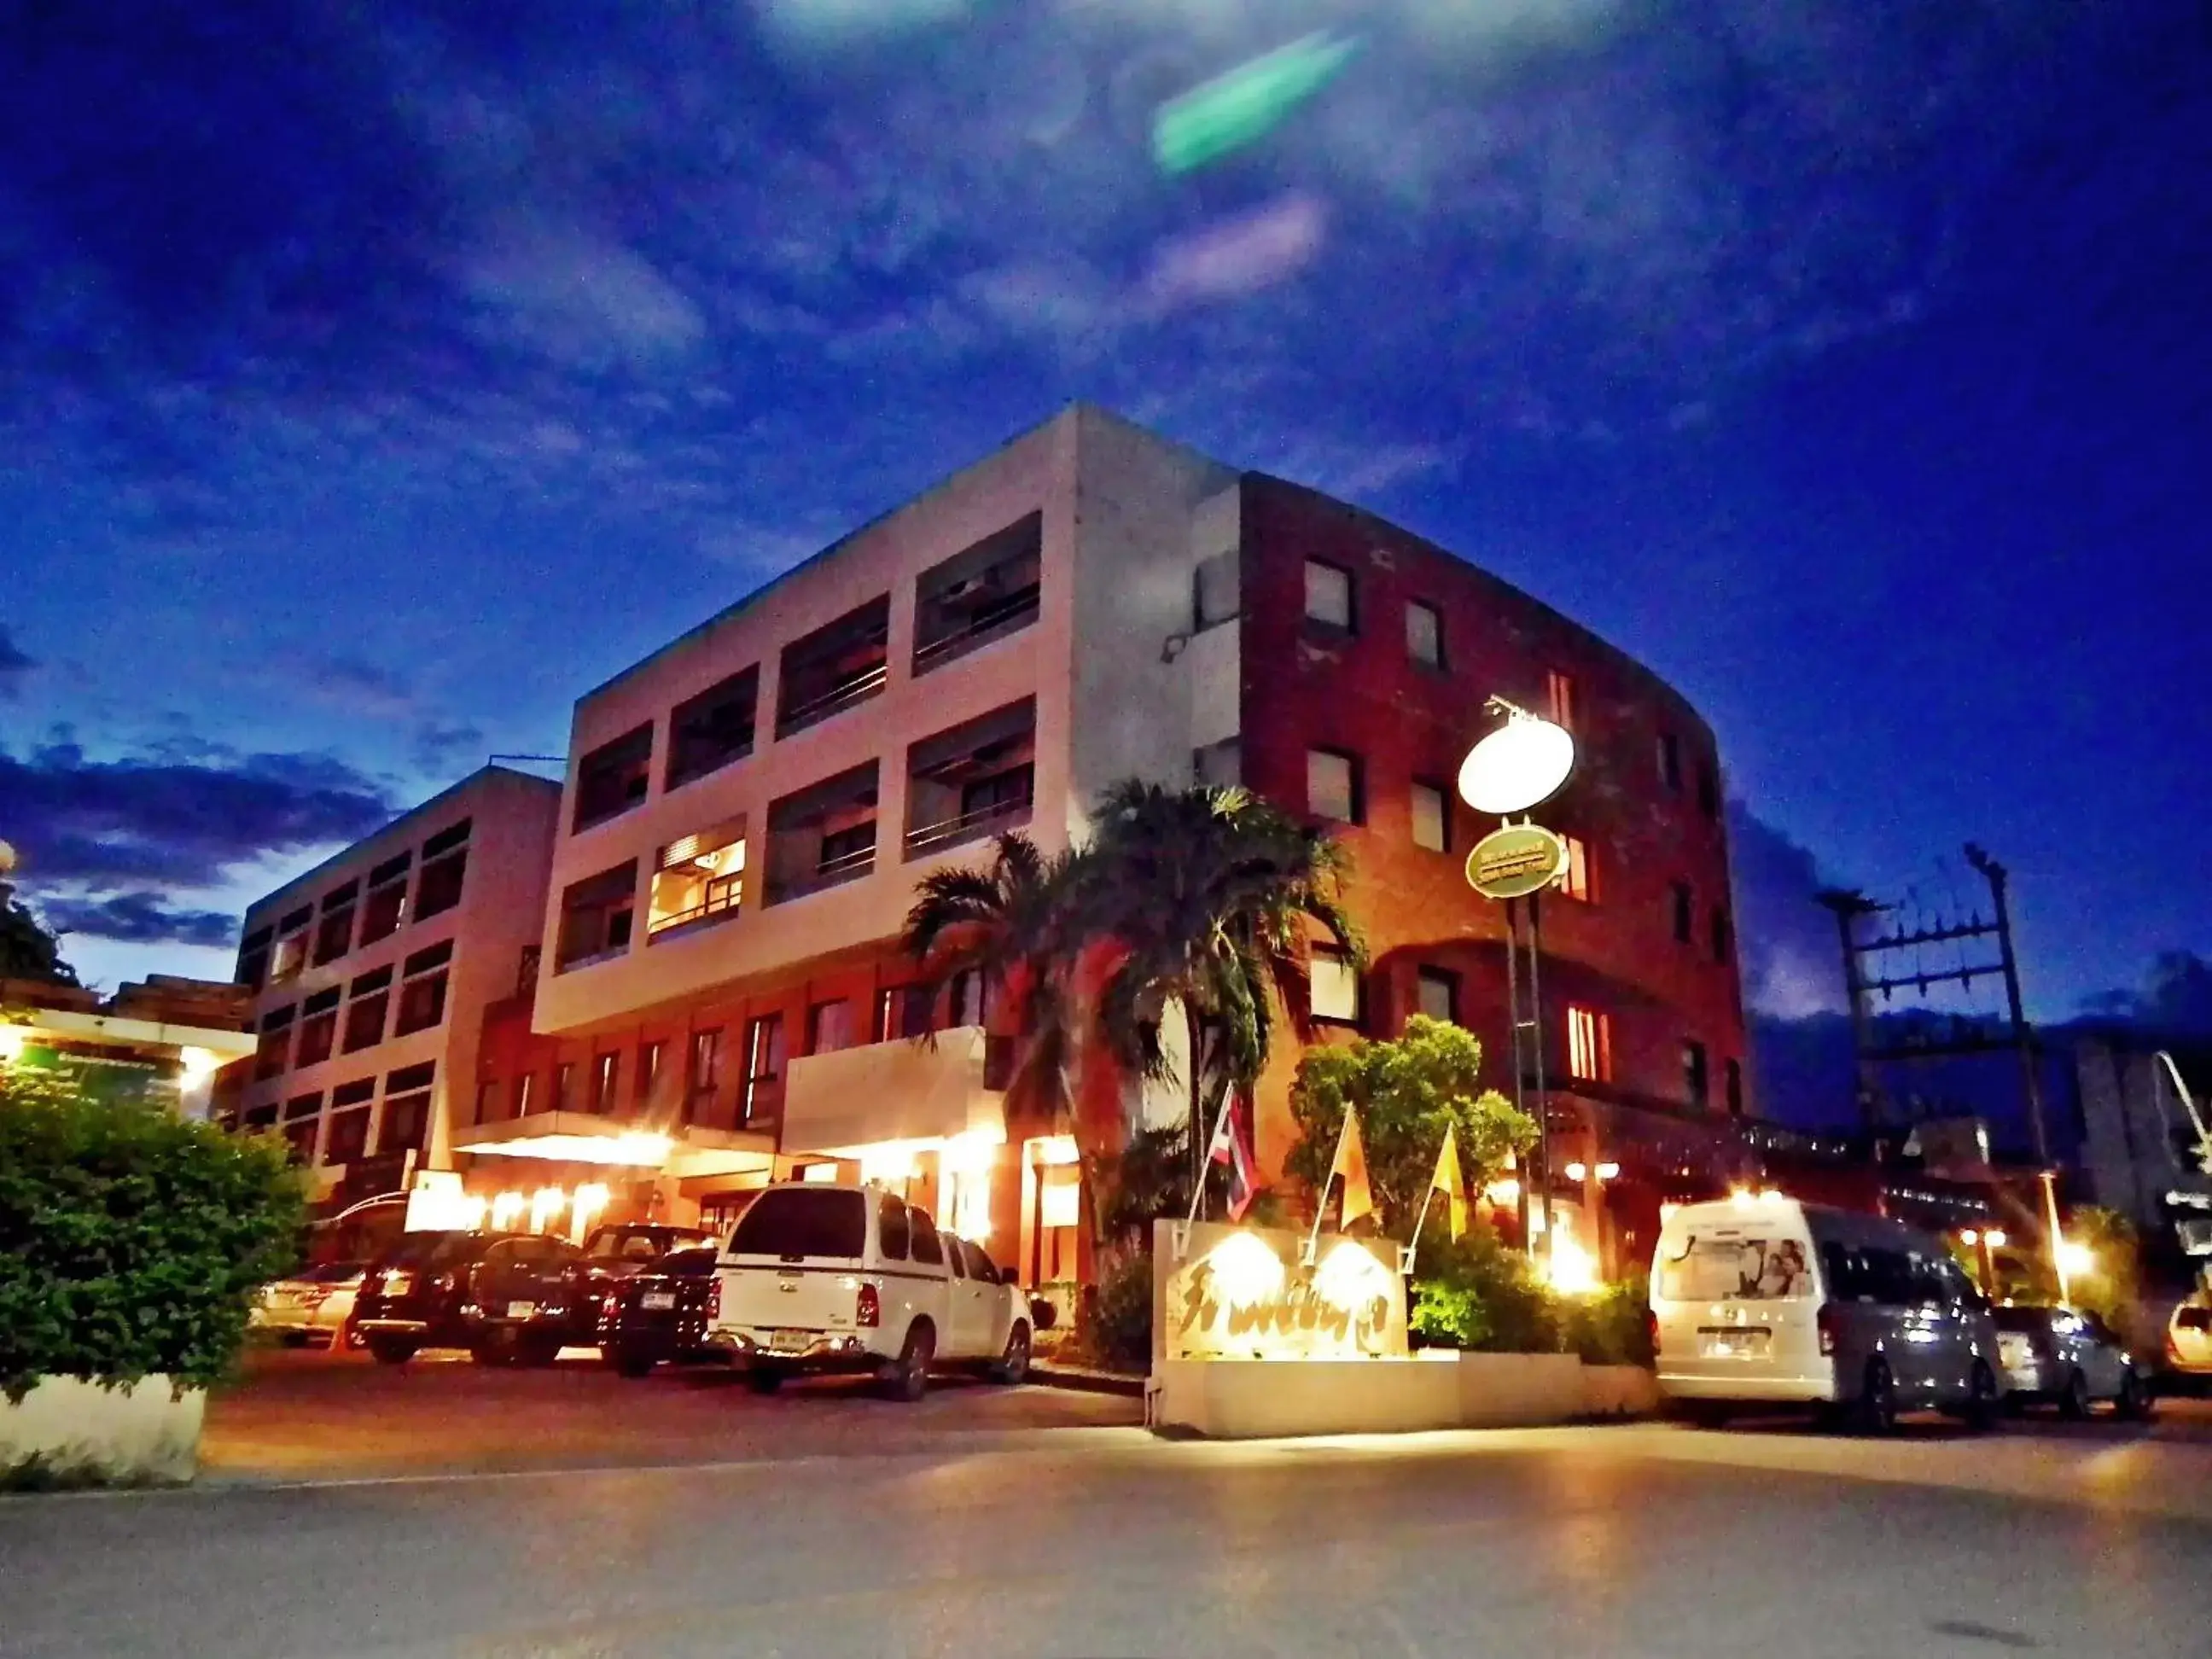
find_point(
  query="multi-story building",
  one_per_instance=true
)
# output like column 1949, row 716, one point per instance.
column 370, row 974
column 720, row 996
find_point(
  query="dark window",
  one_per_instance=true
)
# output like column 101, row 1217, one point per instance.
column 409, row 1078
column 1685, row 912
column 1723, row 934
column 649, row 1070
column 829, row 1027
column 438, row 889
column 606, row 1075
column 386, row 903
column 334, row 933
column 253, row 957
column 406, row 1121
column 1732, row 1085
column 421, row 1003
column 980, row 1266
column 1215, row 596
column 903, row 1011
column 711, row 730
column 359, row 1092
column 319, row 1029
column 764, row 1057
column 928, row 1248
column 348, row 1140
column 274, row 1053
column 1438, row 992
column 365, row 1010
column 1329, row 600
column 1560, row 701
column 1670, row 761
column 894, row 1232
column 1697, row 1083
column 842, row 850
column 822, row 835
column 1709, row 790
column 564, row 1086
column 968, row 1002
column 1424, row 634
column 614, row 777
column 983, row 594
column 596, row 917
column 838, row 666
column 803, row 1221
column 302, row 1106
column 447, row 840
column 291, row 948
column 953, row 1258
column 703, row 1080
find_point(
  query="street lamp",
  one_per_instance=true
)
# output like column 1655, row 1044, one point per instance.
column 1515, row 769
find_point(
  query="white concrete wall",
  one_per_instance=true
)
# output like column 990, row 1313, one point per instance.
column 1435, row 1388
column 145, row 1432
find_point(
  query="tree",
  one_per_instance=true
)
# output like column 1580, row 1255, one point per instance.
column 1408, row 1091
column 28, row 950
column 1208, row 896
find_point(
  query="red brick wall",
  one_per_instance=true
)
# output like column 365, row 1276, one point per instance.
column 1304, row 687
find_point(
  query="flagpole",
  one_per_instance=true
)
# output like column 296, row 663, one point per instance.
column 1321, row 1210
column 1421, row 1221
column 1206, row 1164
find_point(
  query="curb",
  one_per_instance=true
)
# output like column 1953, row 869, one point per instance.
column 1083, row 1380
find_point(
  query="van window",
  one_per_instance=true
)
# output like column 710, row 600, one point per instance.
column 802, row 1221
column 927, row 1247
column 953, row 1258
column 979, row 1265
column 1737, row 1270
column 2193, row 1319
column 892, row 1228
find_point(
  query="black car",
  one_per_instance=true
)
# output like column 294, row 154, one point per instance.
column 504, row 1297
column 660, row 1314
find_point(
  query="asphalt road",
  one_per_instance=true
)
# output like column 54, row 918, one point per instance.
column 1002, row 1539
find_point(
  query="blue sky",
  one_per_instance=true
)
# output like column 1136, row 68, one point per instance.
column 374, row 380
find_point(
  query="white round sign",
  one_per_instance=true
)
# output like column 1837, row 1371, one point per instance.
column 1518, row 766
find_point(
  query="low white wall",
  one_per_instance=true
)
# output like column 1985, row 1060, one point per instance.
column 142, row 1433
column 1255, row 1399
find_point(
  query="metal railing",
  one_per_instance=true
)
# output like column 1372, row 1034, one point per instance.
column 715, row 904
column 1007, row 615
column 951, row 832
column 828, row 872
column 854, row 688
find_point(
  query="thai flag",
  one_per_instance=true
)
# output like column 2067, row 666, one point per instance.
column 1232, row 1144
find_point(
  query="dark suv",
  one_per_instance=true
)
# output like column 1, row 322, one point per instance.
column 504, row 1297
column 659, row 1314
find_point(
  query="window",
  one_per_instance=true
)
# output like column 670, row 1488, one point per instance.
column 1329, row 595
column 829, row 1027
column 928, row 1248
column 359, row 1092
column 1579, row 880
column 980, row 594
column 606, row 1076
column 1733, row 1269
column 1333, row 785
column 1431, row 817
column 1424, row 634
column 1332, row 986
column 564, row 1086
column 1560, row 700
column 334, row 933
column 709, row 732
column 273, row 1052
column 387, row 902
column 596, row 913
column 702, row 1074
column 700, row 876
column 365, row 1008
column 291, row 951
column 302, row 1120
column 894, row 1231
column 968, row 1002
column 422, row 989
column 614, row 777
column 1670, row 761
column 1438, row 992
column 254, row 958
column 803, row 1221
column 1215, row 596
column 1723, row 934
column 439, row 887
column 903, row 1011
column 836, row 667
column 1590, row 1045
column 1732, row 1083
column 764, row 1057
column 1684, row 906
column 848, row 851
column 1218, row 765
column 406, row 1123
column 648, row 1069
column 1709, row 790
column 319, row 1027
column 821, row 835
column 347, row 1142
column 1696, row 1081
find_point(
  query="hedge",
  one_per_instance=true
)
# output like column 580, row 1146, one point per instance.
column 131, row 1241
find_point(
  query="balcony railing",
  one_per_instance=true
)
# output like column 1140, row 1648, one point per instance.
column 1009, row 614
column 722, row 903
column 969, row 826
column 857, row 687
column 829, row 872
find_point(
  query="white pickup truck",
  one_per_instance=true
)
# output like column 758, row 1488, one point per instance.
column 816, row 1278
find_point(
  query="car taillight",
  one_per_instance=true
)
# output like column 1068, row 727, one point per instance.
column 1652, row 1329
column 868, row 1308
column 714, row 1299
column 1825, row 1321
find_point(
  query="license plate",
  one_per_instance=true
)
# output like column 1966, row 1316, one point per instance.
column 658, row 1299
column 521, row 1309
column 2013, row 1351
column 790, row 1341
column 1731, row 1344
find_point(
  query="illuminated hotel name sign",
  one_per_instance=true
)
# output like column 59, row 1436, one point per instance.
column 1242, row 1293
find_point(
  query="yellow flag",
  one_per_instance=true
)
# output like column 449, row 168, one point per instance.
column 1351, row 1162
column 1451, row 1181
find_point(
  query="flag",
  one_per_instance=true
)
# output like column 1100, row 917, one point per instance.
column 1232, row 1144
column 1451, row 1181
column 1351, row 1163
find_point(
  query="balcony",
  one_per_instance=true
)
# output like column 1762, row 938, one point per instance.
column 822, row 837
column 906, row 1093
column 993, row 589
column 699, row 878
column 834, row 668
column 976, row 780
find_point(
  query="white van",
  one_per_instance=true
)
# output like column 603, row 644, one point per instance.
column 1759, row 1300
column 816, row 1278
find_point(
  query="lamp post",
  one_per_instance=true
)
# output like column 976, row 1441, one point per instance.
column 1514, row 769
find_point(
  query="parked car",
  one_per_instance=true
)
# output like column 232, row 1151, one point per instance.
column 659, row 1316
column 311, row 1307
column 2189, row 1339
column 1761, row 1300
column 629, row 1247
column 2055, row 1356
column 503, row 1297
column 817, row 1278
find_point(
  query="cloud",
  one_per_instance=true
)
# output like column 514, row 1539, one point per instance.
column 356, row 687
column 14, row 665
column 140, row 917
column 1786, row 942
column 145, row 819
column 440, row 750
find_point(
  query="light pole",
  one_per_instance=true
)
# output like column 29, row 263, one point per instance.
column 1515, row 768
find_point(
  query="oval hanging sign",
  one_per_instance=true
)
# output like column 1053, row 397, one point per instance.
column 1515, row 861
column 1520, row 765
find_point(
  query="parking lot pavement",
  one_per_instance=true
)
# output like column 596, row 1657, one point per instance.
column 313, row 1415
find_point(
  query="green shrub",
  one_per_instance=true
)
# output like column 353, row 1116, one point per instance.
column 1482, row 1294
column 1612, row 1328
column 131, row 1241
column 1117, row 1324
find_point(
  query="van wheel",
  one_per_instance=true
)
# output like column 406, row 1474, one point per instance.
column 1877, row 1402
column 1980, row 1415
column 909, row 1378
column 762, row 1380
column 2074, row 1399
column 391, row 1350
column 1014, row 1365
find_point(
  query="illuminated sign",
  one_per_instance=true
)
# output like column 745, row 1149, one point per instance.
column 1244, row 1293
column 1515, row 861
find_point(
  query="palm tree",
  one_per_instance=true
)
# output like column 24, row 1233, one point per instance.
column 1210, row 894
